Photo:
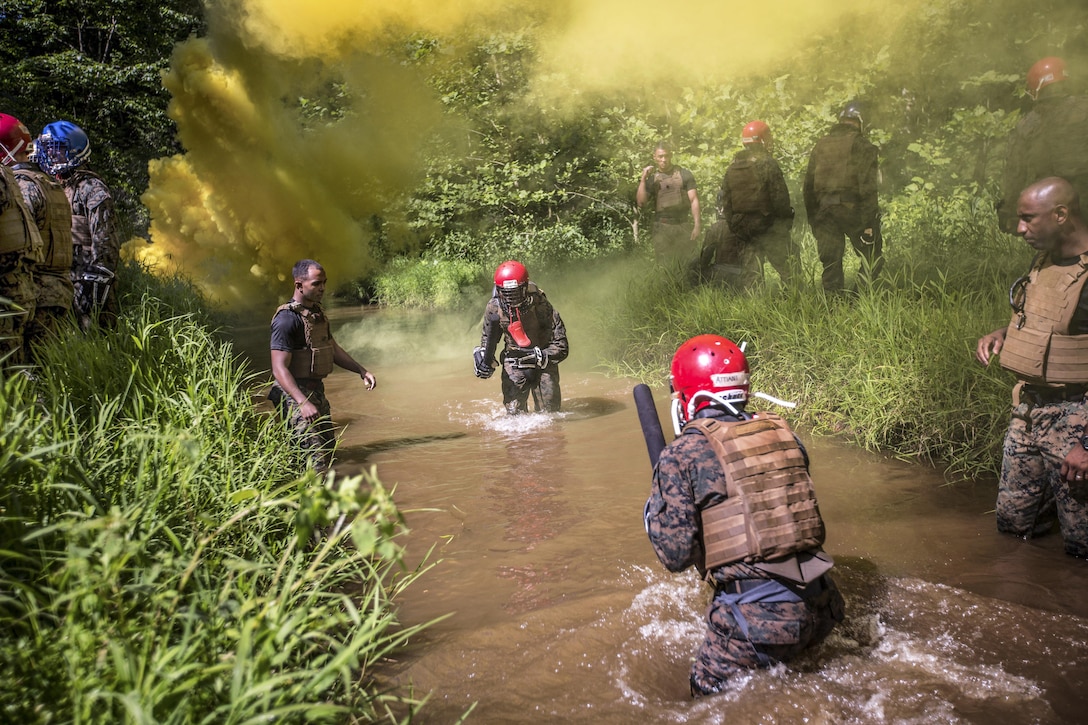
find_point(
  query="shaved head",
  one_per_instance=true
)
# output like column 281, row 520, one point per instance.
column 1054, row 191
column 1049, row 218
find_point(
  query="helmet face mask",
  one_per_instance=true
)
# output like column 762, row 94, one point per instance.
column 512, row 283
column 61, row 147
column 707, row 370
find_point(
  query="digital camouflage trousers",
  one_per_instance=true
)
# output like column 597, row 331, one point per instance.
column 743, row 635
column 1031, row 494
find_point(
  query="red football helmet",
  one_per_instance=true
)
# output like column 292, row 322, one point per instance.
column 512, row 281
column 707, row 369
column 14, row 137
column 1043, row 73
column 757, row 132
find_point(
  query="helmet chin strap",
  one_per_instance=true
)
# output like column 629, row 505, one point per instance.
column 716, row 399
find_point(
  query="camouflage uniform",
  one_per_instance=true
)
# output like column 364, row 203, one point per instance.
column 840, row 193
column 545, row 329
column 97, row 246
column 1043, row 347
column 21, row 238
column 52, row 278
column 1031, row 492
column 1048, row 141
column 754, row 620
column 754, row 203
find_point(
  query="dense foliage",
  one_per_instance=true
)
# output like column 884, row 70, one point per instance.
column 98, row 64
column 165, row 556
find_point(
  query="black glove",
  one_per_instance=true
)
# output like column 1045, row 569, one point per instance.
column 482, row 366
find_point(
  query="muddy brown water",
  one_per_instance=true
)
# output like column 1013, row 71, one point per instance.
column 558, row 610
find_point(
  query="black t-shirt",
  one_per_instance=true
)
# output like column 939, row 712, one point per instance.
column 288, row 332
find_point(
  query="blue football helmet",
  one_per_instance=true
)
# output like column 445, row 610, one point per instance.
column 61, row 147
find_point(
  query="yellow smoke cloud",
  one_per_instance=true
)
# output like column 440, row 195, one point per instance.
column 260, row 187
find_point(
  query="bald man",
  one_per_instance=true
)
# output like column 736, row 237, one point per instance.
column 1045, row 463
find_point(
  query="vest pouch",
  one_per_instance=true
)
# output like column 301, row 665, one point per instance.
column 670, row 190
column 321, row 362
column 1024, row 352
column 1068, row 359
column 725, row 534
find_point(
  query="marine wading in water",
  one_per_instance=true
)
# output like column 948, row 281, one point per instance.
column 731, row 496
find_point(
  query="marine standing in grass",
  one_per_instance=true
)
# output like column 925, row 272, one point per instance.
column 303, row 354
column 534, row 341
column 754, row 204
column 732, row 497
column 840, row 192
column 20, row 251
column 62, row 149
column 1047, row 141
column 673, row 197
column 52, row 215
column 1045, row 462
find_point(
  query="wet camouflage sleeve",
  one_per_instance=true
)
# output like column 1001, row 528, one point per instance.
column 682, row 483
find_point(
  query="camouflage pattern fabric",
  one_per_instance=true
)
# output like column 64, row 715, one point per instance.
column 518, row 383
column 316, row 439
column 16, row 286
column 92, row 202
column 745, row 633
column 686, row 480
column 545, row 329
column 52, row 312
column 1031, row 493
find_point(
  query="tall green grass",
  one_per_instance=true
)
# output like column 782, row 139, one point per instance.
column 891, row 367
column 165, row 557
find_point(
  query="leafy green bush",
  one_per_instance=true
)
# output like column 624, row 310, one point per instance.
column 165, row 561
column 427, row 283
column 891, row 369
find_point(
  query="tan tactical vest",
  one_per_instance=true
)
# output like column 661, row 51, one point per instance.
column 1038, row 346
column 57, row 236
column 670, row 189
column 81, row 233
column 771, row 511
column 316, row 360
column 18, row 232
